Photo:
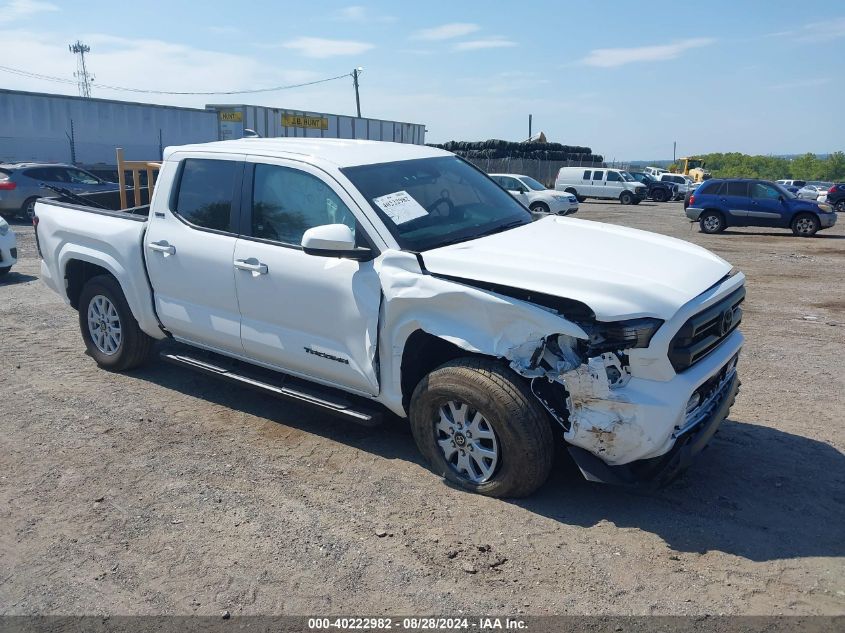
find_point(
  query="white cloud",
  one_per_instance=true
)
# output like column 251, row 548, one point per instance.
column 119, row 61
column 493, row 42
column 610, row 57
column 321, row 48
column 18, row 9
column 825, row 31
column 801, row 83
column 358, row 13
column 446, row 31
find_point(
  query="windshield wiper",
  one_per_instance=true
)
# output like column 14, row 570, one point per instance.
column 499, row 229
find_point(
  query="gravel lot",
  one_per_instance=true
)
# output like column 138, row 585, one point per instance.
column 163, row 491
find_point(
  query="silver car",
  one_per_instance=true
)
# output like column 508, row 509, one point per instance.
column 812, row 190
column 20, row 184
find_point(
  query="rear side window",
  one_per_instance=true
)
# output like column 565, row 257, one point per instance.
column 709, row 188
column 737, row 189
column 598, row 175
column 587, row 174
column 206, row 190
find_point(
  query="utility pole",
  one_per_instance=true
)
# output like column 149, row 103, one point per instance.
column 529, row 126
column 355, row 74
column 82, row 77
column 674, row 150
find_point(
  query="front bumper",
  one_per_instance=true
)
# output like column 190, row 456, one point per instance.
column 661, row 470
column 827, row 220
column 8, row 250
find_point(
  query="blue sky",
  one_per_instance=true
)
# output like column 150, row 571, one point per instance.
column 626, row 79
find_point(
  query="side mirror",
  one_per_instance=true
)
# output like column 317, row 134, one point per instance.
column 514, row 192
column 333, row 240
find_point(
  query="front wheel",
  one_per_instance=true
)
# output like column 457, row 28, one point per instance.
column 626, row 197
column 540, row 207
column 805, row 225
column 711, row 222
column 478, row 425
column 109, row 330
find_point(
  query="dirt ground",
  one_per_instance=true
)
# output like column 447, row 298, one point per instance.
column 165, row 492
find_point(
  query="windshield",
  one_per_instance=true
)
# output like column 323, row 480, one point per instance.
column 532, row 184
column 430, row 202
column 626, row 176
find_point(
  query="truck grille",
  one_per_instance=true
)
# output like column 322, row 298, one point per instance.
column 702, row 333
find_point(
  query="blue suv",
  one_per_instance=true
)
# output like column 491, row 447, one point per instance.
column 720, row 203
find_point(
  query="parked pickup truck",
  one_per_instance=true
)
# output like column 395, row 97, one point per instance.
column 359, row 277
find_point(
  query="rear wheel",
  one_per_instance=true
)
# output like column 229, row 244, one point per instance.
column 478, row 426
column 711, row 222
column 659, row 195
column 109, row 330
column 840, row 206
column 626, row 197
column 28, row 207
column 805, row 225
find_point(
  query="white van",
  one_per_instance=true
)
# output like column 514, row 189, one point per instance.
column 601, row 182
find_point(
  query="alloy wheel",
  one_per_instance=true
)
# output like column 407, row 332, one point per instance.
column 467, row 441
column 104, row 325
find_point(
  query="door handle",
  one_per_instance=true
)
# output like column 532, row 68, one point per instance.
column 252, row 265
column 162, row 247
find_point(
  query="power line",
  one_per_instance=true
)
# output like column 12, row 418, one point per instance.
column 32, row 75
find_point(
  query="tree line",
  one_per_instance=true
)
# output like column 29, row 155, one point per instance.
column 805, row 167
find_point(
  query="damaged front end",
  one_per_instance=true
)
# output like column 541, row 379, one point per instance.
column 620, row 429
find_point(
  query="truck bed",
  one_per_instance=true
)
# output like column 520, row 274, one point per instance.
column 102, row 239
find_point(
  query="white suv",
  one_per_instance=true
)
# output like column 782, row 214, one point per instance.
column 535, row 196
column 609, row 184
column 8, row 250
column 683, row 183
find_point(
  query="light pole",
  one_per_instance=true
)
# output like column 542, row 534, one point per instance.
column 355, row 74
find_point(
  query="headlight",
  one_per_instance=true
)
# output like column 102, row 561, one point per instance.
column 617, row 335
column 822, row 207
column 4, row 227
column 564, row 198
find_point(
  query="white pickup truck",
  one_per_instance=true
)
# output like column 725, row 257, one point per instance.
column 359, row 276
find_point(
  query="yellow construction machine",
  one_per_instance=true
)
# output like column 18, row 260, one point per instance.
column 693, row 167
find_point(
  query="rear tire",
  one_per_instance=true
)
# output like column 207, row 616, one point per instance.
column 805, row 225
column 626, row 197
column 507, row 418
column 109, row 330
column 840, row 206
column 5, row 271
column 28, row 207
column 712, row 222
column 540, row 207
column 659, row 196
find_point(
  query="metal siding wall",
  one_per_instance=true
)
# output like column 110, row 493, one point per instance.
column 33, row 128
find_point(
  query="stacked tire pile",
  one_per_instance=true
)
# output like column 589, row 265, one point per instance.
column 497, row 149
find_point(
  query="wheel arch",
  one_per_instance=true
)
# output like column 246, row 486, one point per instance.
column 423, row 353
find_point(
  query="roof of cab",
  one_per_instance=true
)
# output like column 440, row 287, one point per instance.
column 340, row 152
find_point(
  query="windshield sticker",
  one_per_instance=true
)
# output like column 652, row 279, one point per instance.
column 400, row 207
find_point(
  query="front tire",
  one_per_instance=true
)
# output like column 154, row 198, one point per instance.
column 109, row 330
column 626, row 197
column 711, row 222
column 540, row 207
column 805, row 225
column 478, row 425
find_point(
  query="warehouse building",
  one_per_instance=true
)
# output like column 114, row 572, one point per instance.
column 41, row 127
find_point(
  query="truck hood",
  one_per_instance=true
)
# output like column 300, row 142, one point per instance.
column 618, row 272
